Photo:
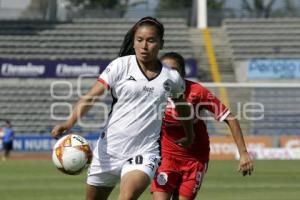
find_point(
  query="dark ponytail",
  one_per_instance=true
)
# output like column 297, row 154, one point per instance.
column 127, row 45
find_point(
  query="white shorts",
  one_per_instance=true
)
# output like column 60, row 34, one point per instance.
column 108, row 171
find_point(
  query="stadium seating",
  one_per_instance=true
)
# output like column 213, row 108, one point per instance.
column 263, row 38
column 221, row 50
column 33, row 107
column 268, row 38
column 80, row 38
column 28, row 102
column 282, row 111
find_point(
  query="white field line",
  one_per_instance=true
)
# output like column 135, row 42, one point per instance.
column 254, row 186
column 252, row 85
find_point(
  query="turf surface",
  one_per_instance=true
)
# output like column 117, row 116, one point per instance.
column 39, row 180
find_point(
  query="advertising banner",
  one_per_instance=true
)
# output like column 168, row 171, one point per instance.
column 289, row 141
column 50, row 68
column 274, row 153
column 41, row 143
column 65, row 68
column 273, row 69
column 224, row 147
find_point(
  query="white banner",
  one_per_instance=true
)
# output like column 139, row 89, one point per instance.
column 273, row 154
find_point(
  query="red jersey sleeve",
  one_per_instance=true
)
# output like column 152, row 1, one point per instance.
column 210, row 102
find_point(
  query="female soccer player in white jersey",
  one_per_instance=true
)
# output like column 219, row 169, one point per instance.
column 129, row 149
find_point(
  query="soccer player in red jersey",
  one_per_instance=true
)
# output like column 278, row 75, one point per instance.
column 182, row 169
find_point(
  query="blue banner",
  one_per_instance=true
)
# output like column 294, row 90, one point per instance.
column 64, row 69
column 50, row 68
column 42, row 143
column 273, row 69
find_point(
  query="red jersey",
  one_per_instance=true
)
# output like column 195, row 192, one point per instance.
column 172, row 130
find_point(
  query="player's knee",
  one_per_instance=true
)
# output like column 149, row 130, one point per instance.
column 126, row 195
column 131, row 192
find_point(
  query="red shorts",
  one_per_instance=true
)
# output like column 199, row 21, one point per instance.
column 179, row 176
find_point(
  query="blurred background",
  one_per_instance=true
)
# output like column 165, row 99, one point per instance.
column 246, row 52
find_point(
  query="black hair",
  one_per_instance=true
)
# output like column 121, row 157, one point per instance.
column 127, row 45
column 178, row 58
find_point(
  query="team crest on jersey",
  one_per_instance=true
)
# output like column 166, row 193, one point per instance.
column 167, row 85
column 107, row 70
column 162, row 178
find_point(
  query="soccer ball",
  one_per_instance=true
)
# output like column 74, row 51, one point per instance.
column 71, row 154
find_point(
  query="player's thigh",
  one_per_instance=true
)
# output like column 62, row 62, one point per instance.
column 97, row 192
column 164, row 184
column 188, row 190
column 161, row 196
column 101, row 181
column 147, row 163
column 133, row 184
column 166, row 178
column 192, row 181
column 183, row 198
column 137, row 173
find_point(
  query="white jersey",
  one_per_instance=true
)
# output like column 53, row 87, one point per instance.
column 134, row 124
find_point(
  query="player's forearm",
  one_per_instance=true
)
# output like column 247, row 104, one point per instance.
column 237, row 135
column 185, row 115
column 82, row 107
column 188, row 128
column 85, row 103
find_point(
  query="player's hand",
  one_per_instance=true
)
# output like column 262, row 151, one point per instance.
column 245, row 165
column 185, row 141
column 59, row 130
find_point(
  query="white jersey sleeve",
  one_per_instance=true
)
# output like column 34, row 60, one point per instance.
column 112, row 73
column 178, row 86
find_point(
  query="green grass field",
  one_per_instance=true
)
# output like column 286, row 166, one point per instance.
column 39, row 180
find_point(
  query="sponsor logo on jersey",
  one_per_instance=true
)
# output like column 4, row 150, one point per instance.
column 148, row 89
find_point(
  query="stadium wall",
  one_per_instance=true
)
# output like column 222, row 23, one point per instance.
column 222, row 147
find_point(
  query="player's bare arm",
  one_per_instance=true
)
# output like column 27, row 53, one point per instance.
column 245, row 165
column 81, row 107
column 183, row 109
